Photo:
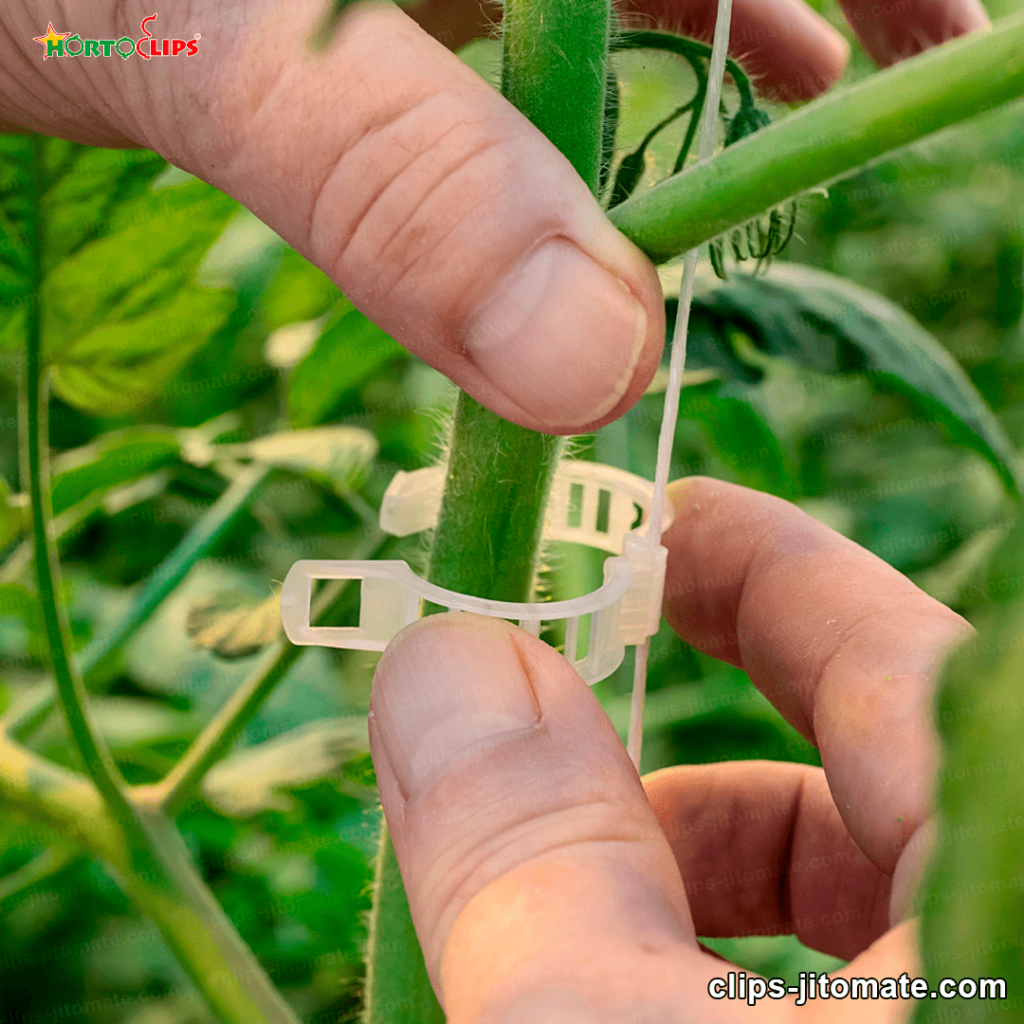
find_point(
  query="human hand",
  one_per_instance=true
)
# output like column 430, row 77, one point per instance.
column 547, row 884
column 436, row 207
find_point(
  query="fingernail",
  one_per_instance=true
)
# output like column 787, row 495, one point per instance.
column 561, row 337
column 445, row 686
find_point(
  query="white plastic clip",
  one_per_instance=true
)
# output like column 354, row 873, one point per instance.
column 590, row 504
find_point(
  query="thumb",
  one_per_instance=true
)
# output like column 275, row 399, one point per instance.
column 437, row 208
column 535, row 868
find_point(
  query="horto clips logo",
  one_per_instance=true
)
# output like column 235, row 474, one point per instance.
column 67, row 44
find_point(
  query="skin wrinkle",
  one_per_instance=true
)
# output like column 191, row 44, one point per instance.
column 359, row 217
column 786, row 911
column 880, row 903
column 852, row 632
column 612, row 821
column 492, row 858
column 453, row 226
column 103, row 71
column 17, row 82
column 422, row 200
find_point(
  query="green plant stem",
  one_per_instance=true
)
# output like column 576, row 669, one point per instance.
column 168, row 890
column 183, row 781
column 212, row 525
column 489, row 530
column 146, row 852
column 44, row 865
column 690, row 49
column 209, row 529
column 499, row 475
column 167, row 887
column 828, row 139
column 35, row 452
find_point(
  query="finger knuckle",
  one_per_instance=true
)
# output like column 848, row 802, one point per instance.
column 398, row 197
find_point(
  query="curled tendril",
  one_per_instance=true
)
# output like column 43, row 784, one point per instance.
column 759, row 239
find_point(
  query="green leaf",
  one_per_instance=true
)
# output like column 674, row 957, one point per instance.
column 350, row 350
column 119, row 367
column 336, row 456
column 81, row 188
column 830, row 325
column 14, row 515
column 128, row 722
column 738, row 434
column 252, row 780
column 120, row 311
column 110, row 461
column 234, row 625
column 78, row 206
column 122, row 315
column 16, row 601
column 973, row 896
column 154, row 247
column 16, row 197
column 297, row 291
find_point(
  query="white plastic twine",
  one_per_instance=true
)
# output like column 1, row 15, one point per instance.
column 670, row 414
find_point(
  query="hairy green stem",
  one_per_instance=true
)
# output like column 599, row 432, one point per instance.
column 168, row 889
column 35, row 453
column 489, row 531
column 146, row 852
column 829, row 138
column 499, row 475
column 212, row 525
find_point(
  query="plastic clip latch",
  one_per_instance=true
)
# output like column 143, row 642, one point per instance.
column 641, row 606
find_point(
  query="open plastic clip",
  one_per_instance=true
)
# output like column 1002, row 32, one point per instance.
column 590, row 504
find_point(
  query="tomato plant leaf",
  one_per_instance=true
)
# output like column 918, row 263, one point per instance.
column 297, row 291
column 833, row 326
column 131, row 722
column 973, row 896
column 234, row 625
column 349, row 351
column 120, row 366
column 336, row 456
column 81, row 188
column 253, row 779
column 738, row 434
column 113, row 459
column 121, row 311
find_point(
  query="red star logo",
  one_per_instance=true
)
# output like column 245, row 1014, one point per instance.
column 52, row 36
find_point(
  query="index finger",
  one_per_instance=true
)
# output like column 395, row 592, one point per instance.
column 845, row 647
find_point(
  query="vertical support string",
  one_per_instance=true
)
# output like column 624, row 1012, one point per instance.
column 670, row 414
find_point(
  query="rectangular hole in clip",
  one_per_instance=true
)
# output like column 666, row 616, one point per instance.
column 345, row 613
column 575, row 505
column 604, row 508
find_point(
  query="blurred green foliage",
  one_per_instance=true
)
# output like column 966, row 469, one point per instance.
column 188, row 340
